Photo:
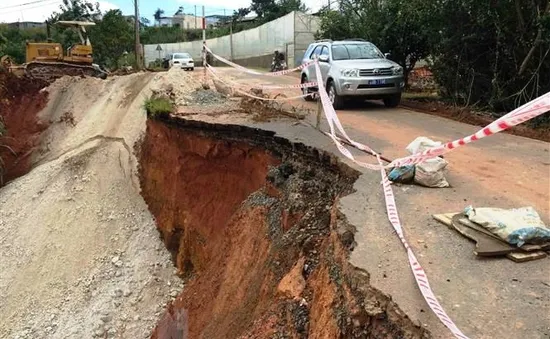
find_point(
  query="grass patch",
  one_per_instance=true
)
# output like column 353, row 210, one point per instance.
column 158, row 106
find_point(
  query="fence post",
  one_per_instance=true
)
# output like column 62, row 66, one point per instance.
column 319, row 110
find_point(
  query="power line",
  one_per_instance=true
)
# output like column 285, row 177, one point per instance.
column 50, row 2
column 26, row 3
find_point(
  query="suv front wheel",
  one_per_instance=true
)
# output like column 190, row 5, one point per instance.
column 306, row 90
column 336, row 100
column 393, row 100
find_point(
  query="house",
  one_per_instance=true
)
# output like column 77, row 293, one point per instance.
column 215, row 20
column 26, row 24
column 165, row 21
column 181, row 19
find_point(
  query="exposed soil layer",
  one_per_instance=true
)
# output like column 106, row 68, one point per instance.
column 252, row 223
column 20, row 102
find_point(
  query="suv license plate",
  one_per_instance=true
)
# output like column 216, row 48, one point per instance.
column 377, row 82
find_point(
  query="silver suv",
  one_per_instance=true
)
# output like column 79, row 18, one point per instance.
column 354, row 68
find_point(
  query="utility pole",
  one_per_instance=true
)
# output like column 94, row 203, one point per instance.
column 231, row 39
column 203, row 26
column 203, row 48
column 195, row 16
column 138, row 44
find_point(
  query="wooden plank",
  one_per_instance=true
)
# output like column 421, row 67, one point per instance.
column 525, row 256
column 486, row 246
column 445, row 218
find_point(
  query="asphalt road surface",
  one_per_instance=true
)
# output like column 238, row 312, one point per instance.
column 487, row 298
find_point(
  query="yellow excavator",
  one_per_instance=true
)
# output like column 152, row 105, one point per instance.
column 47, row 60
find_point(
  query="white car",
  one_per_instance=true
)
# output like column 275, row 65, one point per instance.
column 182, row 60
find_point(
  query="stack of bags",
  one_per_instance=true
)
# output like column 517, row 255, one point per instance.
column 519, row 234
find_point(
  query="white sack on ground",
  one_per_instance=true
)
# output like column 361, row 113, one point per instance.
column 517, row 226
column 429, row 173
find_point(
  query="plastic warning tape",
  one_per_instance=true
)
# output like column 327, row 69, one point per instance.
column 304, row 85
column 391, row 209
column 249, row 71
column 237, row 88
column 524, row 113
column 270, row 87
column 520, row 115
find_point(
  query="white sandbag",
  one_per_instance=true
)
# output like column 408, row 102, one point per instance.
column 421, row 144
column 517, row 226
column 429, row 173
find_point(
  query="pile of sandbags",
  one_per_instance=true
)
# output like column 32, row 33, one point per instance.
column 429, row 173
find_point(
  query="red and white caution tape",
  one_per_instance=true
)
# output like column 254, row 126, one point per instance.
column 249, row 71
column 237, row 87
column 391, row 210
column 269, row 87
column 304, row 85
column 526, row 112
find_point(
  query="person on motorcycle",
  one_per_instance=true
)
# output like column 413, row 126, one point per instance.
column 278, row 62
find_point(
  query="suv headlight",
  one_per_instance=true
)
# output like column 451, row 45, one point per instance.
column 397, row 70
column 351, row 73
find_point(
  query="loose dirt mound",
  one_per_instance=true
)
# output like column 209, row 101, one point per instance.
column 20, row 102
column 79, row 253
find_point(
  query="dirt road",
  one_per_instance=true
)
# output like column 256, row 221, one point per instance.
column 487, row 298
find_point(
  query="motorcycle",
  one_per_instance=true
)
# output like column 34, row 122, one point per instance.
column 278, row 64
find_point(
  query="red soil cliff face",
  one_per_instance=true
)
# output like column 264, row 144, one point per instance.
column 253, row 227
column 20, row 102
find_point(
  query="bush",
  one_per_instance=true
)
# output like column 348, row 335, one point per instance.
column 156, row 65
column 158, row 107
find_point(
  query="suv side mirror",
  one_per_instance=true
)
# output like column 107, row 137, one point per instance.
column 323, row 58
column 387, row 55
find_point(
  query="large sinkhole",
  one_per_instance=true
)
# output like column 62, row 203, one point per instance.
column 253, row 227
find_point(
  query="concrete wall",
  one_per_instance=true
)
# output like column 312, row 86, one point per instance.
column 305, row 27
column 290, row 34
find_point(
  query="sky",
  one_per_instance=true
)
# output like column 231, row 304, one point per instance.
column 40, row 10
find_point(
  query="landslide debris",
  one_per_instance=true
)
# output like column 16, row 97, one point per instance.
column 21, row 99
column 79, row 253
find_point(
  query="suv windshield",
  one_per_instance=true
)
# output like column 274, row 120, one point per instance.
column 355, row 51
column 181, row 56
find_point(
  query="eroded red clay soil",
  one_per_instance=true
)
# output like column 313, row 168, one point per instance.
column 251, row 221
column 20, row 102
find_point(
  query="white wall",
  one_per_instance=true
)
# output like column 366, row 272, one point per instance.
column 305, row 27
column 291, row 34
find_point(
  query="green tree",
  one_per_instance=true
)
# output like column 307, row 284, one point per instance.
column 13, row 41
column 494, row 55
column 144, row 22
column 79, row 10
column 404, row 28
column 268, row 10
column 71, row 10
column 158, row 15
column 111, row 37
column 240, row 13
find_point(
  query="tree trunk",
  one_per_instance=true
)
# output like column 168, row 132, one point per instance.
column 537, row 42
